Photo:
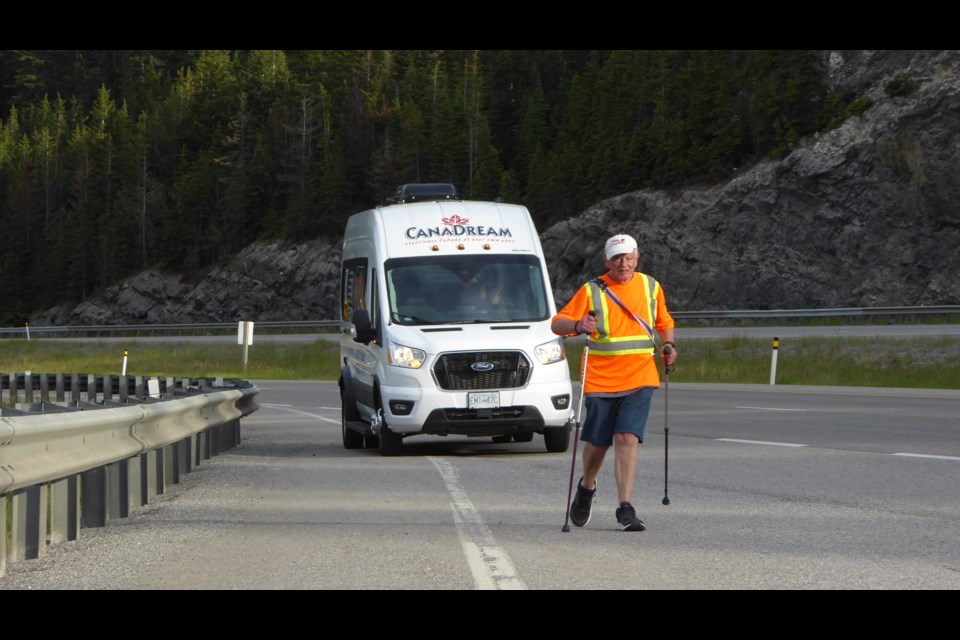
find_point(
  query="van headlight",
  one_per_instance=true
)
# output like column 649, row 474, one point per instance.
column 401, row 356
column 550, row 352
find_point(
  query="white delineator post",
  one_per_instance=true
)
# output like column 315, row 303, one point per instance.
column 123, row 368
column 245, row 337
column 773, row 361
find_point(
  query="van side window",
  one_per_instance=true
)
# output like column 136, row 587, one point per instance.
column 374, row 301
column 353, row 287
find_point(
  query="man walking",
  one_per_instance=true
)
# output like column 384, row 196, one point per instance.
column 621, row 371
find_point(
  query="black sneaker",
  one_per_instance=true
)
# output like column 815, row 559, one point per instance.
column 627, row 518
column 582, row 505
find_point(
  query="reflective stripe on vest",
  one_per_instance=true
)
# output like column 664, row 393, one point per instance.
column 605, row 345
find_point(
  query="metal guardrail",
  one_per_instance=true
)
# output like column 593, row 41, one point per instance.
column 851, row 314
column 121, row 439
column 197, row 328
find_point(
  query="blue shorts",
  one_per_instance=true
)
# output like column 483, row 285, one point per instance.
column 621, row 414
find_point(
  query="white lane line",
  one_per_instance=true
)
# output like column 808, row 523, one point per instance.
column 925, row 455
column 490, row 565
column 772, row 444
column 283, row 407
column 771, row 409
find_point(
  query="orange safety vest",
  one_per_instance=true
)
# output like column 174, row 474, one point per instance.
column 621, row 351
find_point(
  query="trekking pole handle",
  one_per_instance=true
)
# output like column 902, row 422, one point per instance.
column 593, row 312
column 667, row 350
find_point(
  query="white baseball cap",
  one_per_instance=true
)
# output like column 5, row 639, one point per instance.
column 619, row 244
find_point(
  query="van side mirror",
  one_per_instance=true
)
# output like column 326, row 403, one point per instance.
column 361, row 323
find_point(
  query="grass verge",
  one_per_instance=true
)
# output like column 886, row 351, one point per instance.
column 930, row 362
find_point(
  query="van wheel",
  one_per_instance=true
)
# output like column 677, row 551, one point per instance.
column 351, row 438
column 557, row 439
column 371, row 442
column 523, row 436
column 391, row 444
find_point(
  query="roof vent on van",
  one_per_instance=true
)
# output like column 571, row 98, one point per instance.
column 424, row 192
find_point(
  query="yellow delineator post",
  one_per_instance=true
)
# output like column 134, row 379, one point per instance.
column 773, row 361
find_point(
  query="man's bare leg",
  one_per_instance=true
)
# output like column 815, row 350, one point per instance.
column 625, row 447
column 592, row 462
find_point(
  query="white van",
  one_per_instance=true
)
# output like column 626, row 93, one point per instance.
column 445, row 325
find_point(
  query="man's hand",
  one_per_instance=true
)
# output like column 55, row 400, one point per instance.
column 669, row 354
column 587, row 324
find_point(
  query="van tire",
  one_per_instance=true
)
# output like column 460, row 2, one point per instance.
column 391, row 444
column 349, row 413
column 557, row 439
column 371, row 442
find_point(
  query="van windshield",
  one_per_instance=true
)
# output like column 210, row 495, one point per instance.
column 465, row 289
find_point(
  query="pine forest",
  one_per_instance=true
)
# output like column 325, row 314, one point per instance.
column 115, row 161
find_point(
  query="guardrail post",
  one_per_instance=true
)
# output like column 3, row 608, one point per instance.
column 65, row 509
column 231, row 432
column 44, row 387
column 134, row 483
column 93, row 506
column 61, row 393
column 28, row 527
column 107, row 388
column 158, row 478
column 28, row 387
column 162, row 454
column 215, row 440
column 92, row 388
column 14, row 396
column 75, row 387
column 171, row 465
column 3, row 535
column 186, row 454
column 116, row 490
column 204, row 452
column 144, row 478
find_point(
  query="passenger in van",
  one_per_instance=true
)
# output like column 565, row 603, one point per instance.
column 489, row 290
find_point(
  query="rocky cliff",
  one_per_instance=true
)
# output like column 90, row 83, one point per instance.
column 864, row 215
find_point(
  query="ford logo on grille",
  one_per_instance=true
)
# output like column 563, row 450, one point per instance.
column 481, row 367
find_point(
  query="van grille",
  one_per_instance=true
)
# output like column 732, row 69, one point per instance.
column 453, row 372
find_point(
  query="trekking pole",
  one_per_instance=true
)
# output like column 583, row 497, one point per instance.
column 576, row 437
column 666, row 422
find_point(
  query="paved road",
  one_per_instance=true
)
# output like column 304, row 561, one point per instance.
column 770, row 487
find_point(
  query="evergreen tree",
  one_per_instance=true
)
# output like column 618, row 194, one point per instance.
column 112, row 161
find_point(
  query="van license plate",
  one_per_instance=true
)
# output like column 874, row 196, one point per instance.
column 489, row 400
